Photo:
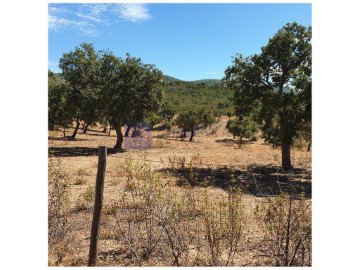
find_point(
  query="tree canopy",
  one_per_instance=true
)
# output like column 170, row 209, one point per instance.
column 243, row 128
column 59, row 113
column 80, row 70
column 279, row 80
column 130, row 91
column 194, row 118
column 101, row 87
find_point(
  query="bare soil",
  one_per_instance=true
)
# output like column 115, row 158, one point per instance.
column 214, row 155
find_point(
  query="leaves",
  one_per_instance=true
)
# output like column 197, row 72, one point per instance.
column 277, row 82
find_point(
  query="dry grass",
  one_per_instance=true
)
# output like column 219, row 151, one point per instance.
column 210, row 167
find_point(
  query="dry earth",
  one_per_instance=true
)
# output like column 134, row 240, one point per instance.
column 214, row 153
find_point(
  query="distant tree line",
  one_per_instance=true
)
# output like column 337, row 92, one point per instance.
column 269, row 91
column 101, row 87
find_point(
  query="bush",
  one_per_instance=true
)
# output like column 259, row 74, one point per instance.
column 156, row 222
column 286, row 223
column 224, row 221
column 58, row 207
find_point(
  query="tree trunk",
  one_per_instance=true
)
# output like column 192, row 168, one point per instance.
column 285, row 144
column 309, row 147
column 86, row 128
column 134, row 133
column 285, row 156
column 64, row 132
column 110, row 128
column 183, row 134
column 105, row 129
column 76, row 129
column 127, row 130
column 192, row 134
column 240, row 142
column 119, row 138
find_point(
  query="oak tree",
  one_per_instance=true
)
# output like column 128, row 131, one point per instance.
column 279, row 79
column 129, row 91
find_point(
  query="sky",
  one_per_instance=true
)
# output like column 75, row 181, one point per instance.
column 186, row 41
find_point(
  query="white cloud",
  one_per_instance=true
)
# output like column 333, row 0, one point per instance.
column 55, row 23
column 89, row 17
column 86, row 18
column 60, row 18
column 133, row 12
column 93, row 12
column 86, row 28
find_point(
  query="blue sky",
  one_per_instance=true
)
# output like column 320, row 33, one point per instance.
column 186, row 41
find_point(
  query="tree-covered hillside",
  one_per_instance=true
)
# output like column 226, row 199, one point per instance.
column 182, row 95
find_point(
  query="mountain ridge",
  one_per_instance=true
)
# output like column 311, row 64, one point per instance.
column 171, row 79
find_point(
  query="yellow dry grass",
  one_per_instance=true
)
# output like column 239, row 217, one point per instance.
column 208, row 151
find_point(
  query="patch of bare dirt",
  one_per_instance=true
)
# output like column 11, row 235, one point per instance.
column 213, row 157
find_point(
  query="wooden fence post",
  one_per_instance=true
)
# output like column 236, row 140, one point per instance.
column 95, row 228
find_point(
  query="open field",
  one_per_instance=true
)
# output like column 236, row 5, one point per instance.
column 202, row 174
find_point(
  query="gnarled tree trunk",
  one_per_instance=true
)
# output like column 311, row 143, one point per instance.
column 85, row 128
column 309, row 147
column 183, row 133
column 192, row 134
column 240, row 142
column 76, row 129
column 127, row 130
column 133, row 134
column 119, row 138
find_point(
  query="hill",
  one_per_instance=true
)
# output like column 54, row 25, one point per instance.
column 208, row 82
column 170, row 79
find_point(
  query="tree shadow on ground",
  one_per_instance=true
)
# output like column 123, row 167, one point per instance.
column 101, row 135
column 67, row 138
column 179, row 139
column 159, row 127
column 260, row 181
column 79, row 151
column 234, row 141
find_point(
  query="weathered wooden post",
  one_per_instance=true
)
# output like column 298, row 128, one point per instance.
column 95, row 228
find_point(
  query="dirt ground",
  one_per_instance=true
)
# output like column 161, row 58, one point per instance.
column 214, row 154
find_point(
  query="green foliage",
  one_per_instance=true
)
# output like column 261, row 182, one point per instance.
column 194, row 118
column 129, row 90
column 167, row 111
column 182, row 96
column 278, row 81
column 58, row 110
column 243, row 128
column 107, row 89
column 80, row 70
column 152, row 118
